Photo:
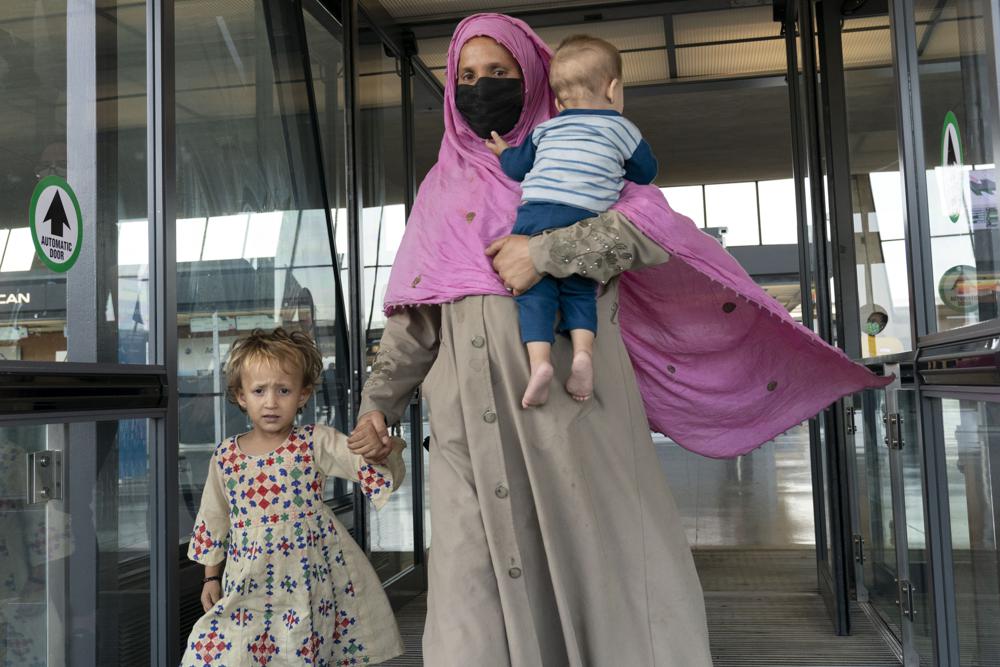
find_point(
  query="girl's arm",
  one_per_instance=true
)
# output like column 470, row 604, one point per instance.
column 378, row 481
column 211, row 591
column 210, row 536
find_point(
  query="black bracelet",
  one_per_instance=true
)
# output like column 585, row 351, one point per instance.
column 214, row 578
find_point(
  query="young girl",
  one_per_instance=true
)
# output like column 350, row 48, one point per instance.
column 296, row 589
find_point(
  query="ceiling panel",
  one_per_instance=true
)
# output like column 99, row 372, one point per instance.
column 725, row 25
column 412, row 9
column 731, row 60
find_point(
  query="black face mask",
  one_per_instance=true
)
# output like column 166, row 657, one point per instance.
column 493, row 104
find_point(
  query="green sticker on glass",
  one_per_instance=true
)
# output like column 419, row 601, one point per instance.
column 951, row 160
column 56, row 223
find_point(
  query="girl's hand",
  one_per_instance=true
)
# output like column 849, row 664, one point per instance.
column 370, row 438
column 211, row 593
column 512, row 261
column 496, row 144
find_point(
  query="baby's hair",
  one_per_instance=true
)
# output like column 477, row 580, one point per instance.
column 583, row 66
column 288, row 350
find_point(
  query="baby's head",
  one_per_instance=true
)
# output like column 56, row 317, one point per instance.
column 272, row 361
column 586, row 73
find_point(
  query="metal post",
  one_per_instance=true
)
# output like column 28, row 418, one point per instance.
column 163, row 442
column 356, row 288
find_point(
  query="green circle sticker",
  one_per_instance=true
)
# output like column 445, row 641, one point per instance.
column 56, row 223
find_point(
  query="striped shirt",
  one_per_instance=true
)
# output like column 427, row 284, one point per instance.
column 580, row 158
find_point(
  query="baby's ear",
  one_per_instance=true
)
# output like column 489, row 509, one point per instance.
column 614, row 89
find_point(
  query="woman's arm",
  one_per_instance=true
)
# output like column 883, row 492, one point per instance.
column 598, row 248
column 407, row 351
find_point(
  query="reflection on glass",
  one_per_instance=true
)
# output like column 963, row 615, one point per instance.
column 972, row 453
column 253, row 244
column 957, row 77
column 761, row 500
column 36, row 140
column 96, row 523
column 876, row 189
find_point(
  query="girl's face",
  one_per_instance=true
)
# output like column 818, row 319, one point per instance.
column 272, row 396
column 484, row 57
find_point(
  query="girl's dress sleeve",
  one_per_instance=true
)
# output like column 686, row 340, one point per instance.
column 333, row 457
column 210, row 537
column 603, row 246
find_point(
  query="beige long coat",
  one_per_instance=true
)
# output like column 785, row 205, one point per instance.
column 555, row 538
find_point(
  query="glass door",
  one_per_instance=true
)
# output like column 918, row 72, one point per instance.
column 810, row 165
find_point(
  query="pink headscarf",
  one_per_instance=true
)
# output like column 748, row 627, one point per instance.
column 721, row 366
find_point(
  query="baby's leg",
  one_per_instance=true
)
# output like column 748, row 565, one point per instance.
column 580, row 384
column 537, row 311
column 537, row 393
column 578, row 303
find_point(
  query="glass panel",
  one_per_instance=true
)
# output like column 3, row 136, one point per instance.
column 49, row 127
column 864, row 420
column 972, row 451
column 688, row 200
column 880, row 569
column 958, row 89
column 778, row 218
column 876, row 190
column 383, row 218
column 734, row 206
column 762, row 500
column 911, row 459
column 88, row 545
column 254, row 245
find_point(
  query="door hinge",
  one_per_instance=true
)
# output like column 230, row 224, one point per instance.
column 859, row 549
column 44, row 476
column 852, row 427
column 893, row 430
column 905, row 601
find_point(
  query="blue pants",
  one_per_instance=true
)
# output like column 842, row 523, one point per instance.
column 575, row 297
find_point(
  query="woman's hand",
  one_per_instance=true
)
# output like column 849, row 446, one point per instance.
column 211, row 593
column 370, row 438
column 512, row 261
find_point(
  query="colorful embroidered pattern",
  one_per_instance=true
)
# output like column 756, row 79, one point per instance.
column 373, row 482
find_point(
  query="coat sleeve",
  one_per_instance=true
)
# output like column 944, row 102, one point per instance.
column 598, row 248
column 210, row 537
column 377, row 481
column 407, row 351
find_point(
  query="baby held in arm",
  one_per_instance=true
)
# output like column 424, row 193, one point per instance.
column 571, row 168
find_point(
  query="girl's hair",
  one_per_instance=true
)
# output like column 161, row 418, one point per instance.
column 289, row 350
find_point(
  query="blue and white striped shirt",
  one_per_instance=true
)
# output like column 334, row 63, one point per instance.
column 580, row 158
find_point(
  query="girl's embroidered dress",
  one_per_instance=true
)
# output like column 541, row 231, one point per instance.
column 297, row 590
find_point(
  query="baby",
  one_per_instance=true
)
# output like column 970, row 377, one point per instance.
column 572, row 168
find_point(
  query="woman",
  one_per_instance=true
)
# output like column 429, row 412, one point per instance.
column 556, row 541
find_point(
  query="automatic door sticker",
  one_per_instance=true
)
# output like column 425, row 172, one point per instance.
column 56, row 223
column 951, row 178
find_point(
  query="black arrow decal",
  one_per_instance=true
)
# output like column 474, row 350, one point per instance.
column 57, row 216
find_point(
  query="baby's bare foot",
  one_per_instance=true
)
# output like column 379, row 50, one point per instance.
column 538, row 386
column 580, row 384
